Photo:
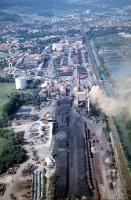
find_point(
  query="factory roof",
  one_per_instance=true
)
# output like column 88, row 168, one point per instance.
column 81, row 96
column 44, row 84
column 81, row 70
column 39, row 73
column 24, row 110
column 69, row 73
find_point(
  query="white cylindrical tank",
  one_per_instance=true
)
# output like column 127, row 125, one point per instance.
column 20, row 83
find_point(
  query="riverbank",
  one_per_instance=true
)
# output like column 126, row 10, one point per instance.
column 108, row 83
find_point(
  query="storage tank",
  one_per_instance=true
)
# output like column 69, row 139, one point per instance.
column 20, row 83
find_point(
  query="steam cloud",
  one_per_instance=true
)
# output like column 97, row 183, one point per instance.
column 120, row 104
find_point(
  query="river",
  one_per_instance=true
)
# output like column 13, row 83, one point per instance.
column 120, row 70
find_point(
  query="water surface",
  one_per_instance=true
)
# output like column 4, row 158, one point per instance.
column 120, row 70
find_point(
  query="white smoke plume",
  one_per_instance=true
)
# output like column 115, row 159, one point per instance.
column 118, row 105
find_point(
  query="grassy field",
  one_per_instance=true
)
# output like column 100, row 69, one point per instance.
column 5, row 90
column 2, row 143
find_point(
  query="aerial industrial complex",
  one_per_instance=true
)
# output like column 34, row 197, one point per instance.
column 72, row 147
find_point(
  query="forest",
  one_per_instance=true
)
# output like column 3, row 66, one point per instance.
column 12, row 152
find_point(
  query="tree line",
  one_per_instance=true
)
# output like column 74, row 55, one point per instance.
column 7, row 79
column 12, row 152
column 16, row 100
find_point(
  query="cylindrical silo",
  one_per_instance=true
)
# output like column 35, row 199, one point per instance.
column 20, row 83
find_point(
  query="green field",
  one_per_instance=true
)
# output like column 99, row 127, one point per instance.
column 5, row 90
column 3, row 142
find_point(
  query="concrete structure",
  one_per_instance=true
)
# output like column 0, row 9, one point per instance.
column 50, row 162
column 45, row 84
column 20, row 83
column 81, row 72
column 62, row 89
column 39, row 73
column 82, row 99
column 25, row 111
column 59, row 46
column 88, row 105
column 38, row 184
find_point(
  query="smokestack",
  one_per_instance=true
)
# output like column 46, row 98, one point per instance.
column 88, row 105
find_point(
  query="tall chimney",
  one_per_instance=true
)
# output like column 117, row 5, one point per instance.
column 88, row 105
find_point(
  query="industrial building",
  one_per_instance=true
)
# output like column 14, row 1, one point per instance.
column 82, row 99
column 38, row 184
column 81, row 72
column 20, row 83
column 24, row 111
